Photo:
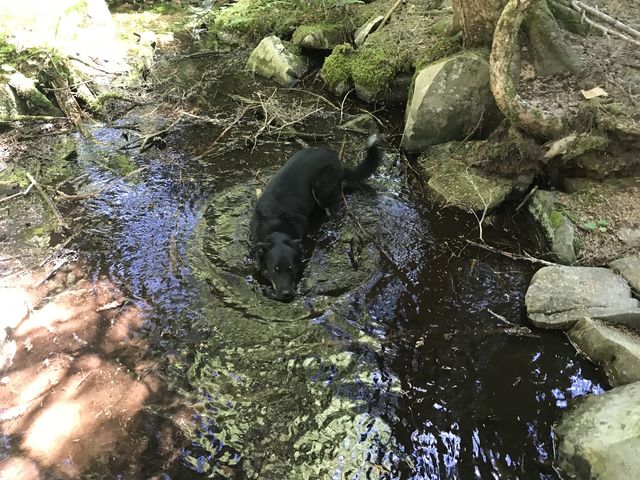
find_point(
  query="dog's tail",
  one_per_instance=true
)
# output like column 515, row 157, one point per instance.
column 366, row 168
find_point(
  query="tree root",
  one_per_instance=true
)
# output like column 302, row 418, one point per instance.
column 505, row 43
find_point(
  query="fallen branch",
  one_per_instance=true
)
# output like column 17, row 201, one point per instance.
column 222, row 134
column 48, row 200
column 23, row 193
column 512, row 256
column 582, row 7
column 389, row 13
column 526, row 198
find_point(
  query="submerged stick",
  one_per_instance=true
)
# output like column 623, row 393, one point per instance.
column 513, row 256
column 47, row 199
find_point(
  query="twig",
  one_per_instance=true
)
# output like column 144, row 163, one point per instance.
column 575, row 7
column 329, row 102
column 527, row 197
column 47, row 199
column 211, row 148
column 501, row 318
column 389, row 13
column 513, row 256
column 606, row 18
column 23, row 193
column 342, row 104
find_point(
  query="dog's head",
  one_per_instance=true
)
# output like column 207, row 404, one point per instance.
column 280, row 258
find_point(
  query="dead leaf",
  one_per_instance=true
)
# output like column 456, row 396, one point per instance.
column 111, row 305
column 593, row 93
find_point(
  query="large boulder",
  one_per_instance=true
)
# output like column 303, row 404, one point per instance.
column 560, row 296
column 616, row 349
column 629, row 268
column 557, row 227
column 273, row 59
column 600, row 438
column 320, row 36
column 451, row 100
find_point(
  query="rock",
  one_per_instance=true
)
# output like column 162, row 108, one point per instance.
column 617, row 350
column 629, row 236
column 34, row 101
column 600, row 438
column 361, row 34
column 320, row 36
column 454, row 183
column 629, row 268
column 559, row 296
column 272, row 59
column 451, row 99
column 10, row 104
column 396, row 94
column 363, row 123
column 558, row 229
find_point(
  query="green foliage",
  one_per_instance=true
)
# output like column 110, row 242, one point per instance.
column 600, row 225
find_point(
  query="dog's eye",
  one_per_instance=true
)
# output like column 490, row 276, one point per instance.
column 277, row 269
column 290, row 268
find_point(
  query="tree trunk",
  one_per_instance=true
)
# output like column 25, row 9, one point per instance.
column 478, row 20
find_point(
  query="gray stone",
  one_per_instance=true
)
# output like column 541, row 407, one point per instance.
column 600, row 438
column 363, row 123
column 559, row 296
column 451, row 99
column 616, row 349
column 630, row 236
column 454, row 183
column 361, row 34
column 558, row 229
column 629, row 268
column 396, row 94
column 272, row 59
column 320, row 36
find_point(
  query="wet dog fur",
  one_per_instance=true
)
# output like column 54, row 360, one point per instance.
column 311, row 179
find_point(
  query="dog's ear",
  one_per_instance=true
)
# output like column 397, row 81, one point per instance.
column 260, row 247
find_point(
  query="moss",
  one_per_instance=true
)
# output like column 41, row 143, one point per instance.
column 556, row 218
column 336, row 70
column 121, row 163
column 584, row 143
column 439, row 47
column 257, row 18
column 373, row 67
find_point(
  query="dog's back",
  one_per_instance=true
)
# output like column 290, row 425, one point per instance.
column 311, row 178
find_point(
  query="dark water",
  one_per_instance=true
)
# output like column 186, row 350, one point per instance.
column 393, row 366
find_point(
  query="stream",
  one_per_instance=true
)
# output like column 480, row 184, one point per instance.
column 403, row 355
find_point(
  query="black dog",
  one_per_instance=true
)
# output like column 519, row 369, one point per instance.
column 312, row 178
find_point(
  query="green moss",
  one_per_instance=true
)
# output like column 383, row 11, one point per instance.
column 556, row 218
column 439, row 47
column 121, row 163
column 336, row 70
column 584, row 143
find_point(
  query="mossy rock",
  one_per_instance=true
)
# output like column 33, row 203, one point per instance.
column 558, row 228
column 454, row 183
column 320, row 36
column 451, row 100
column 279, row 60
